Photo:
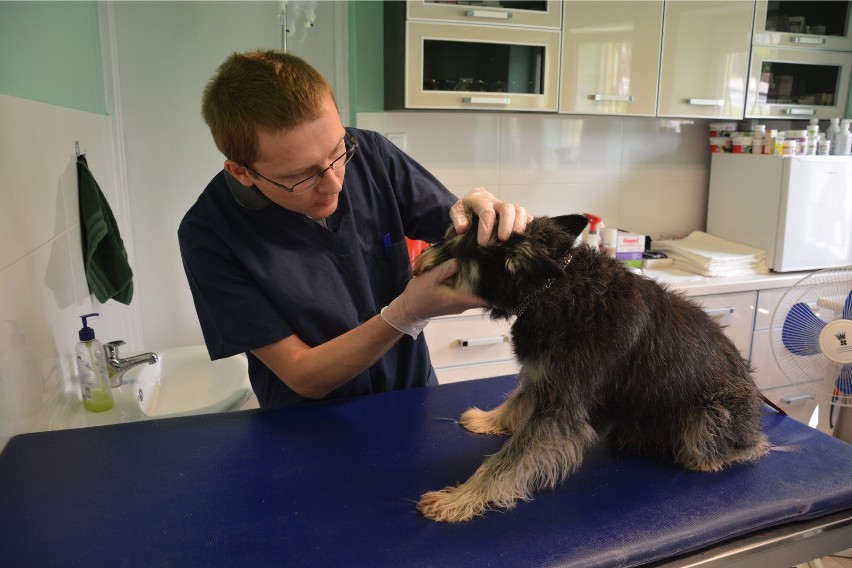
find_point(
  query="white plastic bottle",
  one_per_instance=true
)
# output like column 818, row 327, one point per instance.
column 92, row 370
column 831, row 134
column 844, row 139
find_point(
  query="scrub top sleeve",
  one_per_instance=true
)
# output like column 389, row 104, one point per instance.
column 423, row 200
column 235, row 315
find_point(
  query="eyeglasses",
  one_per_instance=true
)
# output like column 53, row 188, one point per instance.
column 300, row 187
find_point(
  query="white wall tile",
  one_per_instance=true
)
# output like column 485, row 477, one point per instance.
column 462, row 150
column 560, row 199
column 43, row 286
column 664, row 150
column 655, row 208
column 545, row 149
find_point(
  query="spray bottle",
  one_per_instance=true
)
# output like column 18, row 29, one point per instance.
column 593, row 238
column 92, row 369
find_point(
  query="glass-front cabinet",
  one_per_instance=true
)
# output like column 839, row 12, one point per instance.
column 704, row 61
column 805, row 24
column 438, row 65
column 797, row 83
column 536, row 13
column 610, row 57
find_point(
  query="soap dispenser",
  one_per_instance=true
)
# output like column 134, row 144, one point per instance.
column 92, row 370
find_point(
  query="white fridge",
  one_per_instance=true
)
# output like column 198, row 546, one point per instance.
column 796, row 208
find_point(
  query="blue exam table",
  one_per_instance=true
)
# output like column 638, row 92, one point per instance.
column 335, row 484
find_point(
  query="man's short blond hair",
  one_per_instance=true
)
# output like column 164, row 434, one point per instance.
column 256, row 91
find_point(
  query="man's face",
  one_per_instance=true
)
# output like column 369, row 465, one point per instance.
column 290, row 157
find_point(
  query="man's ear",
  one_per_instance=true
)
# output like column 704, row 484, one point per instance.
column 239, row 172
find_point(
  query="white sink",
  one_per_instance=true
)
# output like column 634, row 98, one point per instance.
column 185, row 381
column 182, row 383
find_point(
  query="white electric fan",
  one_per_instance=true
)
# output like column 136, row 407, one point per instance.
column 812, row 343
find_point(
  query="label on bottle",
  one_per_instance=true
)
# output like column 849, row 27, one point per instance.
column 87, row 377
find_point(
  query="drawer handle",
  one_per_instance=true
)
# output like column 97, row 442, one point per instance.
column 807, row 39
column 719, row 312
column 488, row 14
column 482, row 341
column 613, row 98
column 791, row 400
column 799, row 111
column 706, row 102
column 487, row 100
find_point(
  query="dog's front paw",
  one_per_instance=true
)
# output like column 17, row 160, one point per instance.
column 450, row 505
column 482, row 422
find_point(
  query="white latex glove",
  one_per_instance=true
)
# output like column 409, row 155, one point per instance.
column 511, row 218
column 426, row 297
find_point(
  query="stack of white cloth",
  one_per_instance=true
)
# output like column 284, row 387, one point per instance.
column 708, row 255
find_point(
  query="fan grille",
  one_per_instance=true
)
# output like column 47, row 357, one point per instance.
column 812, row 335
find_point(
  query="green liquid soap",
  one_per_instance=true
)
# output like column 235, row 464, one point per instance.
column 100, row 401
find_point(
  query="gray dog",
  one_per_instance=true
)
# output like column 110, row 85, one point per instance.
column 603, row 352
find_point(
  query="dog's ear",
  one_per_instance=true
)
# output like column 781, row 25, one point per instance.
column 527, row 259
column 573, row 224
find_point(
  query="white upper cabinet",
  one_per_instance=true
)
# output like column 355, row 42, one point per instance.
column 705, row 55
column 610, row 57
column 440, row 64
column 798, row 83
column 808, row 25
column 535, row 13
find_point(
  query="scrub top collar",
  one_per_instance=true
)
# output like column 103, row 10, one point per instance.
column 249, row 196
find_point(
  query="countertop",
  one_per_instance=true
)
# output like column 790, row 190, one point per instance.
column 335, row 484
column 695, row 285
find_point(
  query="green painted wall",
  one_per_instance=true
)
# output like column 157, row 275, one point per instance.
column 51, row 52
column 366, row 57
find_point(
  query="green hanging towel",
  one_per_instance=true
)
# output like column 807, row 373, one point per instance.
column 104, row 257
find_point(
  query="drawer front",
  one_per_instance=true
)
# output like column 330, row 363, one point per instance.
column 767, row 301
column 471, row 372
column 794, row 402
column 468, row 340
column 767, row 373
column 735, row 313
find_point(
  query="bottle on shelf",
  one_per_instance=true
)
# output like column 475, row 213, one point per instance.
column 831, row 134
column 844, row 139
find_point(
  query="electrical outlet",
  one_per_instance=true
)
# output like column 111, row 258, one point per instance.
column 398, row 138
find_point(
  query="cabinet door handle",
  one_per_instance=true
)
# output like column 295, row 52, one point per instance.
column 799, row 111
column 719, row 312
column 706, row 102
column 615, row 98
column 807, row 39
column 488, row 14
column 482, row 341
column 487, row 100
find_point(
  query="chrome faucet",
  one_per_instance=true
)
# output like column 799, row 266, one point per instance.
column 116, row 366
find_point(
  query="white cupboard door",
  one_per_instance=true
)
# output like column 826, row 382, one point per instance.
column 611, row 57
column 704, row 63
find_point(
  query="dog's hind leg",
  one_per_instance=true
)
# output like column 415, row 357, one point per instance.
column 501, row 421
column 715, row 438
column 542, row 452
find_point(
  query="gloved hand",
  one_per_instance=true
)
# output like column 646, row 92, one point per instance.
column 426, row 297
column 510, row 218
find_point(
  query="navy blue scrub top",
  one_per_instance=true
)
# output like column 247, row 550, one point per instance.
column 258, row 276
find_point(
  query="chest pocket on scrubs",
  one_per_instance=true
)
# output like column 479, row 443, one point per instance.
column 391, row 269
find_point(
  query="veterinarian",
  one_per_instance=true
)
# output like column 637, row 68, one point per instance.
column 295, row 253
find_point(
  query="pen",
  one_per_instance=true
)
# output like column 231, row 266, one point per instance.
column 386, row 243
